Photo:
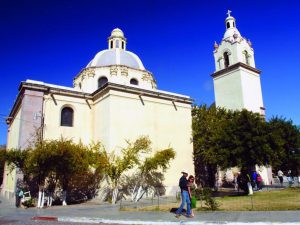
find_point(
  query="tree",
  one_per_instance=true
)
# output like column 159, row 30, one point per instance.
column 2, row 162
column 131, row 159
column 60, row 162
column 207, row 123
column 287, row 139
column 150, row 173
column 228, row 139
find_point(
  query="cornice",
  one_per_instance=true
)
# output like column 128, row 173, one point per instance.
column 233, row 67
column 110, row 66
column 107, row 87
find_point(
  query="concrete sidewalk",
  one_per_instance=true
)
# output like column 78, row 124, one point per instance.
column 110, row 214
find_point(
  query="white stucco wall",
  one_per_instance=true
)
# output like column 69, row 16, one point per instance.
column 9, row 177
column 228, row 91
column 252, row 94
column 82, row 121
column 127, row 119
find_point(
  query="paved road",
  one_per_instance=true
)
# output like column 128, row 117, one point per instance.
column 108, row 214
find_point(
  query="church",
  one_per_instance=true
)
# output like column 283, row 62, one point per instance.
column 115, row 98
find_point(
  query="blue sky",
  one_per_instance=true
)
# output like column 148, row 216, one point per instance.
column 52, row 41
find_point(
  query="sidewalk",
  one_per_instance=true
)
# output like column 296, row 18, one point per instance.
column 110, row 214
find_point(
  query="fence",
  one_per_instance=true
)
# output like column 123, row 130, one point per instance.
column 154, row 199
column 270, row 198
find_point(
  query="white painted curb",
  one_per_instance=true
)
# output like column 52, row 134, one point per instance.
column 135, row 222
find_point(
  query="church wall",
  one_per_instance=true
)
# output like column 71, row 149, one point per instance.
column 130, row 117
column 22, row 133
column 252, row 93
column 228, row 91
column 101, row 122
column 12, row 142
column 31, row 117
column 82, row 121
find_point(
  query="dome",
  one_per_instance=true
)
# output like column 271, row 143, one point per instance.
column 116, row 54
column 117, row 57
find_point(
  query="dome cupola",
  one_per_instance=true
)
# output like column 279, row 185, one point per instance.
column 231, row 30
column 116, row 54
column 117, row 39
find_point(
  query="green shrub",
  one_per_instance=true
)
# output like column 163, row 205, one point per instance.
column 29, row 203
column 205, row 194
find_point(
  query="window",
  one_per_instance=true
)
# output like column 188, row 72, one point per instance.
column 228, row 25
column 80, row 85
column 111, row 44
column 122, row 44
column 102, row 81
column 246, row 57
column 117, row 43
column 233, row 24
column 66, row 117
column 226, row 59
column 134, row 81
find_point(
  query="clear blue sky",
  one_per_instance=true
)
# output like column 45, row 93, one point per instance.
column 52, row 40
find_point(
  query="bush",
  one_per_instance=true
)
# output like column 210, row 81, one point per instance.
column 29, row 203
column 206, row 195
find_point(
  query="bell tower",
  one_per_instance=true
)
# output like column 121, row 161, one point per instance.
column 236, row 79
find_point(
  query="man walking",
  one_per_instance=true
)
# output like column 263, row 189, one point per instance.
column 185, row 198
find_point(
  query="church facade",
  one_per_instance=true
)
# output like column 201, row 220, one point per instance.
column 113, row 99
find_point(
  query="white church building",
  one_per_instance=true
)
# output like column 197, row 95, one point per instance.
column 115, row 98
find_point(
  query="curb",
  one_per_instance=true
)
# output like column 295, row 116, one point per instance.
column 137, row 222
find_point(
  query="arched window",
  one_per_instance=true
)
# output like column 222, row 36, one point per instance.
column 228, row 25
column 134, row 81
column 102, row 81
column 111, row 44
column 246, row 57
column 66, row 117
column 80, row 85
column 226, row 59
column 233, row 24
column 123, row 44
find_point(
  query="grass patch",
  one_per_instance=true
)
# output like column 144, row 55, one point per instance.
column 284, row 199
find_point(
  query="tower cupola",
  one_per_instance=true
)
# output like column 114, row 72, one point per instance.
column 232, row 32
column 117, row 40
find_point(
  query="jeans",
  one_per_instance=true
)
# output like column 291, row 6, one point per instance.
column 185, row 198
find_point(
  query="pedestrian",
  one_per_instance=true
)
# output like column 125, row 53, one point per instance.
column 254, row 177
column 185, row 198
column 236, row 180
column 259, row 182
column 280, row 176
column 291, row 178
column 19, row 196
column 191, row 189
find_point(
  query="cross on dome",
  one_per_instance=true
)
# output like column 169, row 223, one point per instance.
column 228, row 13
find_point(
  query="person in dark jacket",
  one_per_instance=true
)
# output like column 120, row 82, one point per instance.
column 185, row 198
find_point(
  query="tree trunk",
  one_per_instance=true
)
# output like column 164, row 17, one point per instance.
column 114, row 196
